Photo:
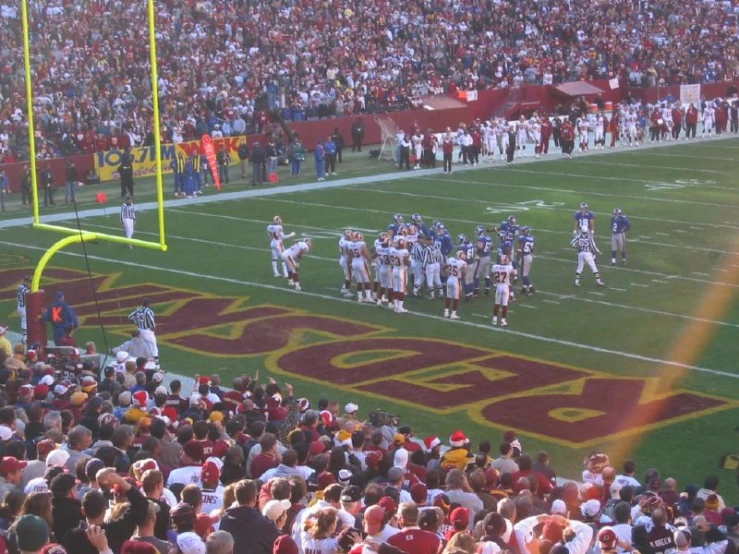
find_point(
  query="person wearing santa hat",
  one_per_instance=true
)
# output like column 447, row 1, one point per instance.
column 458, row 456
column 138, row 410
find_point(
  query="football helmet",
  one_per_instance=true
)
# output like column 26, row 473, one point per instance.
column 309, row 242
column 398, row 219
column 504, row 260
column 404, row 231
column 412, row 230
column 512, row 220
column 277, row 220
column 526, row 230
column 401, row 243
column 583, row 205
column 617, row 211
column 348, row 233
column 461, row 255
column 480, row 230
column 461, row 238
column 417, row 219
column 358, row 236
column 436, row 224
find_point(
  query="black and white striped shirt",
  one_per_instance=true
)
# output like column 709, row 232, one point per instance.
column 20, row 295
column 435, row 255
column 585, row 243
column 143, row 318
column 417, row 251
column 128, row 212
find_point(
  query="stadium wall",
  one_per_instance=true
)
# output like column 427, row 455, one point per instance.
column 84, row 163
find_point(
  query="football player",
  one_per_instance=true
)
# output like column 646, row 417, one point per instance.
column 360, row 267
column 396, row 225
column 276, row 237
column 292, row 257
column 526, row 245
column 468, row 248
column 502, row 274
column 399, row 260
column 454, row 269
column 619, row 227
column 483, row 248
column 384, row 269
column 584, row 243
column 417, row 220
column 345, row 243
column 584, row 220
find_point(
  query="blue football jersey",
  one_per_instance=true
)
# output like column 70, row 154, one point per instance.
column 584, row 220
column 469, row 250
column 484, row 246
column 445, row 243
column 526, row 244
column 510, row 230
column 620, row 224
column 505, row 247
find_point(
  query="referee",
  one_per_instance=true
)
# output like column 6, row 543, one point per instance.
column 21, row 296
column 584, row 243
column 143, row 318
column 128, row 218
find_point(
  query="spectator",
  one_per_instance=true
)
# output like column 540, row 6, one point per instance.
column 252, row 532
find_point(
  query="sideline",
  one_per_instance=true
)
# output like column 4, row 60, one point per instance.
column 306, row 187
column 506, row 331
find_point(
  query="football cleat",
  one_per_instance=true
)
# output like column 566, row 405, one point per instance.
column 495, row 320
column 454, row 316
column 503, row 323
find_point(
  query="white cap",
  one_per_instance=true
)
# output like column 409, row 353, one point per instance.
column 559, row 507
column 351, row 408
column 121, row 357
column 190, row 543
column 160, row 390
column 274, row 509
column 57, row 458
column 5, row 433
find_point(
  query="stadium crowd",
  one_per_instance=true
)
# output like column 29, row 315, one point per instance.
column 224, row 65
column 122, row 464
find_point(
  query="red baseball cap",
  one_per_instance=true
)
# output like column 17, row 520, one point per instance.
column 210, row 473
column 204, row 524
column 388, row 504
column 11, row 465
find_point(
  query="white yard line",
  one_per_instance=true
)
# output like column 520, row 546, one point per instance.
column 686, row 156
column 663, row 167
column 287, row 290
column 596, row 293
column 471, row 222
column 550, row 301
column 333, row 261
column 639, row 285
column 636, row 309
column 617, row 289
column 587, row 193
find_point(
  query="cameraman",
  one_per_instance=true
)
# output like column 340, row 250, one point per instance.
column 385, row 423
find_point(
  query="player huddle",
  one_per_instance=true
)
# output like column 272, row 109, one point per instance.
column 410, row 257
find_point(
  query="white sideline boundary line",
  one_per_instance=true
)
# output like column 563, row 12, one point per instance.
column 541, row 338
column 304, row 187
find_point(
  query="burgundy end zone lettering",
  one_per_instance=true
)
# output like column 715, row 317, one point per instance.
column 318, row 360
column 617, row 412
column 269, row 335
column 524, row 375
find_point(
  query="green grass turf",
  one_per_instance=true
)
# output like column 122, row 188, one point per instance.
column 682, row 202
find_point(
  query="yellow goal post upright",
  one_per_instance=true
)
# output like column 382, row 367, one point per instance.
column 36, row 300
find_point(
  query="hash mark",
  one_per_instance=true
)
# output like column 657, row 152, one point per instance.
column 638, row 285
column 550, row 301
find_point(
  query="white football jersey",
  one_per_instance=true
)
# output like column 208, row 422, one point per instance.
column 399, row 257
column 455, row 267
column 358, row 248
column 275, row 232
column 502, row 274
column 297, row 249
column 344, row 247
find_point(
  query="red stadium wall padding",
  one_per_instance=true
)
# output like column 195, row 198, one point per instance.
column 36, row 301
column 84, row 163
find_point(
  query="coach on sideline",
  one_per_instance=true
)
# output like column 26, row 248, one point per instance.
column 143, row 318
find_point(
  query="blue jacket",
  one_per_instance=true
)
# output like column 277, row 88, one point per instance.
column 4, row 183
column 62, row 315
column 318, row 154
column 330, row 147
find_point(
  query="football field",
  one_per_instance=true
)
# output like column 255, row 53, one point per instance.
column 645, row 367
